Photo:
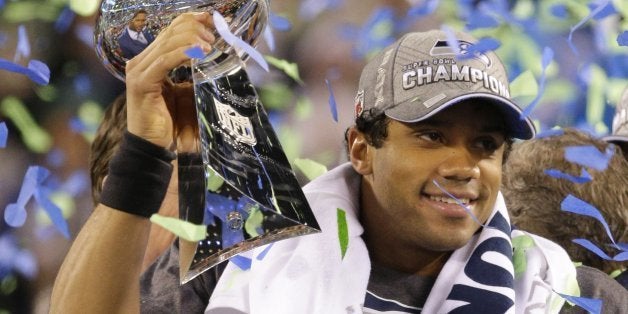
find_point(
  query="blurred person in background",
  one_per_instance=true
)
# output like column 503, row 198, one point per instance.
column 534, row 198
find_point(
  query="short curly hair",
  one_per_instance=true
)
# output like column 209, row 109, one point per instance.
column 534, row 198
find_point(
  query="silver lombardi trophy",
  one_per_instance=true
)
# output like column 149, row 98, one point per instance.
column 235, row 179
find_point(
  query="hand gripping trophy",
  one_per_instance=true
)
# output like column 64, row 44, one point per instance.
column 234, row 178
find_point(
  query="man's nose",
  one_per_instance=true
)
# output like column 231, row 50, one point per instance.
column 460, row 164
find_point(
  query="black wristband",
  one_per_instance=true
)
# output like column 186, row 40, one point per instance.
column 138, row 178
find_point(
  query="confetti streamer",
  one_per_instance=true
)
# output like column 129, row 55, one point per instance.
column 343, row 231
column 242, row 262
column 36, row 70
column 291, row 69
column 195, row 52
column 261, row 255
column 593, row 13
column 589, row 156
column 14, row 258
column 483, row 45
column 621, row 257
column 583, row 178
column 332, row 102
column 478, row 19
column 572, row 204
column 461, row 205
column 33, row 136
column 183, row 229
column 64, row 21
column 311, row 169
column 4, row 134
column 23, row 49
column 269, row 38
column 520, row 244
column 548, row 56
column 593, row 306
column 223, row 29
column 42, row 196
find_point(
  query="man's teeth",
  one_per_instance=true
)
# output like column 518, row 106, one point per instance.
column 449, row 200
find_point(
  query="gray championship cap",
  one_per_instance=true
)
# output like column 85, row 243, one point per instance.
column 620, row 121
column 420, row 75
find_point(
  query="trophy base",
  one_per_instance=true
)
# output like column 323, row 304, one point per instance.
column 206, row 263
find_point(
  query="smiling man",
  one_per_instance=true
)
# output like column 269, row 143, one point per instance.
column 427, row 228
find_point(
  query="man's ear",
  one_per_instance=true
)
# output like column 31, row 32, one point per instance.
column 359, row 151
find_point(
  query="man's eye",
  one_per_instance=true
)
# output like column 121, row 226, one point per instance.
column 488, row 144
column 431, row 136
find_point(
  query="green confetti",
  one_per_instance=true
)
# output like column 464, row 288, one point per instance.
column 276, row 96
column 524, row 85
column 180, row 228
column 596, row 95
column 24, row 11
column 254, row 221
column 304, row 108
column 520, row 244
column 33, row 136
column 47, row 93
column 291, row 69
column 64, row 201
column 311, row 169
column 90, row 113
column 214, row 181
column 343, row 232
column 84, row 7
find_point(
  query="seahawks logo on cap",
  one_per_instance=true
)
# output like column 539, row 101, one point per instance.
column 442, row 48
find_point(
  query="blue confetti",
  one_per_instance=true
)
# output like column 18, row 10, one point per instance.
column 483, row 45
column 377, row 32
column 82, row 84
column 606, row 11
column 583, row 178
column 593, row 306
column 621, row 257
column 589, row 156
column 242, row 262
column 559, row 11
column 64, row 21
column 261, row 255
column 195, row 52
column 548, row 56
column 42, row 196
column 622, row 39
column 223, row 29
column 312, row 8
column 280, row 23
column 461, row 204
column 14, row 215
column 4, row 134
column 593, row 13
column 14, row 258
column 55, row 157
column 575, row 205
column 426, row 8
column 23, row 49
column 332, row 102
column 269, row 38
column 37, row 71
column 478, row 19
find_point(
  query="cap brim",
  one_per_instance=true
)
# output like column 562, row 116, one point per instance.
column 615, row 139
column 517, row 126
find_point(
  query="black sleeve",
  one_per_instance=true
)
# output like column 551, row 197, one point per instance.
column 161, row 292
column 598, row 285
